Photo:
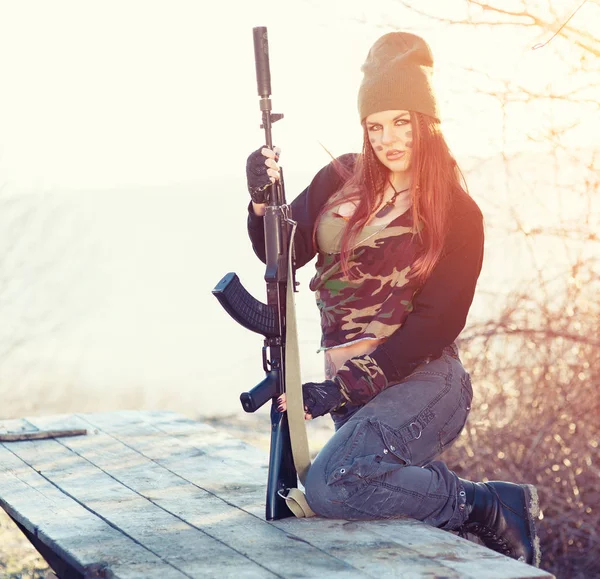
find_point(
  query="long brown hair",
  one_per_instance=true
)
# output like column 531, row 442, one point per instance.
column 436, row 178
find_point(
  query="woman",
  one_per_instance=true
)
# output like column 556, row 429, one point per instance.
column 400, row 246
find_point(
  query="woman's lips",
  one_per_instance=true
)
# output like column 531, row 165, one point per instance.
column 394, row 155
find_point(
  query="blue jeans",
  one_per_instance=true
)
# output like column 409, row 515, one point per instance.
column 380, row 463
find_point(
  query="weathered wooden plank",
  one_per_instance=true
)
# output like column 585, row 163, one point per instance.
column 371, row 545
column 69, row 529
column 389, row 562
column 465, row 557
column 16, row 425
column 181, row 546
column 391, row 559
column 216, row 484
column 247, row 534
column 354, row 543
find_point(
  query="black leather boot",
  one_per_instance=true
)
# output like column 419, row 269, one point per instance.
column 502, row 515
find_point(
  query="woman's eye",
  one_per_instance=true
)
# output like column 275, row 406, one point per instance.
column 374, row 127
column 402, row 122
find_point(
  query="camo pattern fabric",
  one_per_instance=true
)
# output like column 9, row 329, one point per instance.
column 376, row 303
column 360, row 379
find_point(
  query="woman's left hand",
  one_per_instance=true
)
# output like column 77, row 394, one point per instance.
column 282, row 407
column 320, row 398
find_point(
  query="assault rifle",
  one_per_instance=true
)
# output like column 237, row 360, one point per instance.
column 268, row 319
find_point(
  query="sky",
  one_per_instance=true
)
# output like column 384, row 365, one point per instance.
column 132, row 93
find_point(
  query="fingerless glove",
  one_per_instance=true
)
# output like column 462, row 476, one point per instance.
column 358, row 381
column 257, row 177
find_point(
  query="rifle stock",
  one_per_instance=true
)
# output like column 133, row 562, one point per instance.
column 268, row 319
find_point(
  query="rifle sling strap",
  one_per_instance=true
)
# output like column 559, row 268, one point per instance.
column 295, row 498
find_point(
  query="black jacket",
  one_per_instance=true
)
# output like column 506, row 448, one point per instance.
column 440, row 307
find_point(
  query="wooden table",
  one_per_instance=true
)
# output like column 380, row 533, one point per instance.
column 153, row 495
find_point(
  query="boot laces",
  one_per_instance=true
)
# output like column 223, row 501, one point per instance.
column 489, row 537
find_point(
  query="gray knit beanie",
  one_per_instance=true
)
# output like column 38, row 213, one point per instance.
column 397, row 75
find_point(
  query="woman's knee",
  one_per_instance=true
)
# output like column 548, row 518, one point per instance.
column 331, row 478
column 337, row 480
column 321, row 496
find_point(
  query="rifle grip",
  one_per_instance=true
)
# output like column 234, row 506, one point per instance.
column 261, row 393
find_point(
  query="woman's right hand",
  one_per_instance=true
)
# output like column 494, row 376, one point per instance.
column 261, row 172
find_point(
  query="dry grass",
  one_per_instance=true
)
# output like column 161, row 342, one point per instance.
column 536, row 416
column 18, row 559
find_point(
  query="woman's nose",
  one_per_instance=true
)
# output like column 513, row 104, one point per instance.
column 388, row 136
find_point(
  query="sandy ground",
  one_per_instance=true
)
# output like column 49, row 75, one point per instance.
column 19, row 560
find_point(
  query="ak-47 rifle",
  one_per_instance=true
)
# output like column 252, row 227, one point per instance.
column 268, row 319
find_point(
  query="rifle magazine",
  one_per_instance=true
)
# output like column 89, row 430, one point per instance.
column 244, row 308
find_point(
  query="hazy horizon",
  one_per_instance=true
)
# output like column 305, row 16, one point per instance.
column 109, row 297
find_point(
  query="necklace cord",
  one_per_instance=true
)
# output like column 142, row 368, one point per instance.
column 387, row 207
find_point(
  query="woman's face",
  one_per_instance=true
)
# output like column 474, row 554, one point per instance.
column 390, row 133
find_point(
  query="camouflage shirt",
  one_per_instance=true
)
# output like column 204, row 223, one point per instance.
column 375, row 303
